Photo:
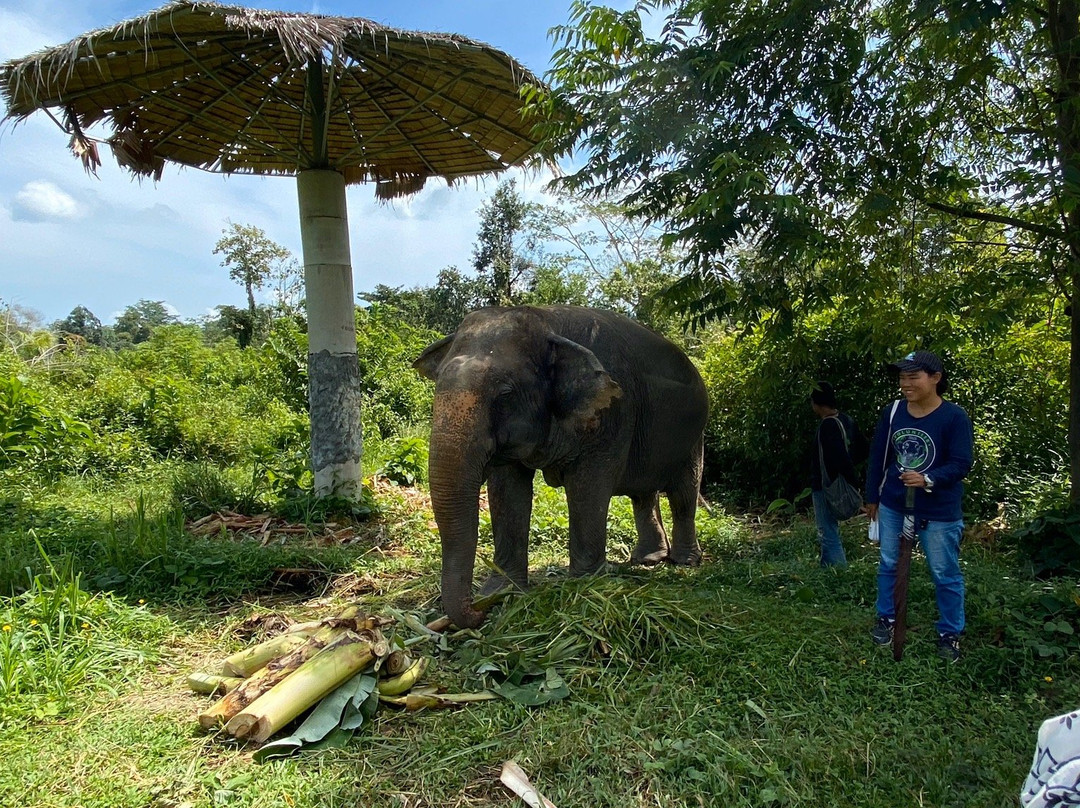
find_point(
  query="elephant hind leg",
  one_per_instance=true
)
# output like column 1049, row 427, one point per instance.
column 652, row 545
column 683, row 497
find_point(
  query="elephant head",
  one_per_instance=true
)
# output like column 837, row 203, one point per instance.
column 507, row 389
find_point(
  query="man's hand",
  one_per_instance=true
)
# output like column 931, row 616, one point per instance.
column 913, row 479
column 870, row 509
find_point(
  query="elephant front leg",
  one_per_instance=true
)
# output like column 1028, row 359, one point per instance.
column 510, row 491
column 588, row 498
column 652, row 546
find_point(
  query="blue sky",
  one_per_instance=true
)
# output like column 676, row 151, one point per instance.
column 68, row 239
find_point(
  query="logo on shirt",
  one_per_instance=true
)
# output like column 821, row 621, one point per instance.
column 914, row 449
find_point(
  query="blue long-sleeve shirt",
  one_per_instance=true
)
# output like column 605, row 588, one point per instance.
column 940, row 444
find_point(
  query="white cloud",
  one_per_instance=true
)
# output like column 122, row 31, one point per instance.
column 41, row 201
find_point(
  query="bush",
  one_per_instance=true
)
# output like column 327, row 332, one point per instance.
column 395, row 395
column 32, row 431
column 1050, row 542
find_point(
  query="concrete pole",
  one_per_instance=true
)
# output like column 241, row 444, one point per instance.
column 333, row 370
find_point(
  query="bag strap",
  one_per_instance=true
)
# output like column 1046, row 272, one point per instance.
column 888, row 440
column 843, row 431
column 821, row 454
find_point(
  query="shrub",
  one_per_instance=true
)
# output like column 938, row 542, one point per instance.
column 407, row 462
column 30, row 430
column 1050, row 542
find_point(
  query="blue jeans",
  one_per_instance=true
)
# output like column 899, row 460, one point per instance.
column 941, row 543
column 828, row 531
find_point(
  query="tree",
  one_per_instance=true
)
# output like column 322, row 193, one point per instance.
column 81, row 322
column 231, row 321
column 253, row 259
column 18, row 319
column 803, row 152
column 138, row 321
column 440, row 307
column 505, row 243
column 623, row 258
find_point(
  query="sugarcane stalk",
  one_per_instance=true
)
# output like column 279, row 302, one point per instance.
column 211, row 683
column 264, row 679
column 322, row 674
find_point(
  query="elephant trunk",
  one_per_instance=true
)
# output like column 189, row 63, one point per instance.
column 459, row 453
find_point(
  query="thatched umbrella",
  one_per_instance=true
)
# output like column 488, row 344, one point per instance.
column 331, row 100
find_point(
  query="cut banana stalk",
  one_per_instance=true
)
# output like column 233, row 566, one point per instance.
column 396, row 685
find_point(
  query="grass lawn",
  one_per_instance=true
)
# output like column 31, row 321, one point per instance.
column 750, row 681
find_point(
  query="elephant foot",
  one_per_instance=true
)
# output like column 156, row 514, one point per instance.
column 688, row 559
column 497, row 583
column 650, row 559
column 581, row 572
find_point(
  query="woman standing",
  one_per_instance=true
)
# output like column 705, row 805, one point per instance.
column 835, row 436
column 925, row 443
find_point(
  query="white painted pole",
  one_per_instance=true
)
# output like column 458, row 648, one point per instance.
column 333, row 370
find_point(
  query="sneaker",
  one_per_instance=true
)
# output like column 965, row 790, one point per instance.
column 948, row 647
column 882, row 631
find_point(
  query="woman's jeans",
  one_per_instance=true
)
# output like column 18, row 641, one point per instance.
column 828, row 531
column 941, row 543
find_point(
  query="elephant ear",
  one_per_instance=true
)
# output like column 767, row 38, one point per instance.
column 427, row 364
column 583, row 389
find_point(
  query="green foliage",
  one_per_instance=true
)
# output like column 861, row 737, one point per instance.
column 199, row 489
column 1050, row 541
column 304, row 506
column 407, row 462
column 438, row 308
column 811, row 157
column 139, row 321
column 174, row 396
column 81, row 323
column 504, row 253
column 395, row 396
column 29, row 430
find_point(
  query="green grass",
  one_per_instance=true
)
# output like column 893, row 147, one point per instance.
column 749, row 681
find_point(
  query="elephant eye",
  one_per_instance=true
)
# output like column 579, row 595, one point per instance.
column 504, row 390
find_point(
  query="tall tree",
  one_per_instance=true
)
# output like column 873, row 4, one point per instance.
column 252, row 259
column 81, row 322
column 802, row 151
column 138, row 321
column 505, row 243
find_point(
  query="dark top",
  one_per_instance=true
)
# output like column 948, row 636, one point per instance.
column 940, row 445
column 836, row 451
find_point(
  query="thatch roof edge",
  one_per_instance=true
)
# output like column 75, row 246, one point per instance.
column 304, row 35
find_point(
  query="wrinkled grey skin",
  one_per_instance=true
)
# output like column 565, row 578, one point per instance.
column 600, row 404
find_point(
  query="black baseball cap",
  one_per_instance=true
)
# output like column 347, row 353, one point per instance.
column 919, row 360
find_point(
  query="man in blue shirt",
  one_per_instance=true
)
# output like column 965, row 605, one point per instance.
column 926, row 443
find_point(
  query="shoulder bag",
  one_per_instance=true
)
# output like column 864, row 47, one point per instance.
column 843, row 499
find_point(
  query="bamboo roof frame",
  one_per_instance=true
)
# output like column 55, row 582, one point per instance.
column 231, row 90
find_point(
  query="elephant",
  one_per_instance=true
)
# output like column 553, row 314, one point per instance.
column 598, row 403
